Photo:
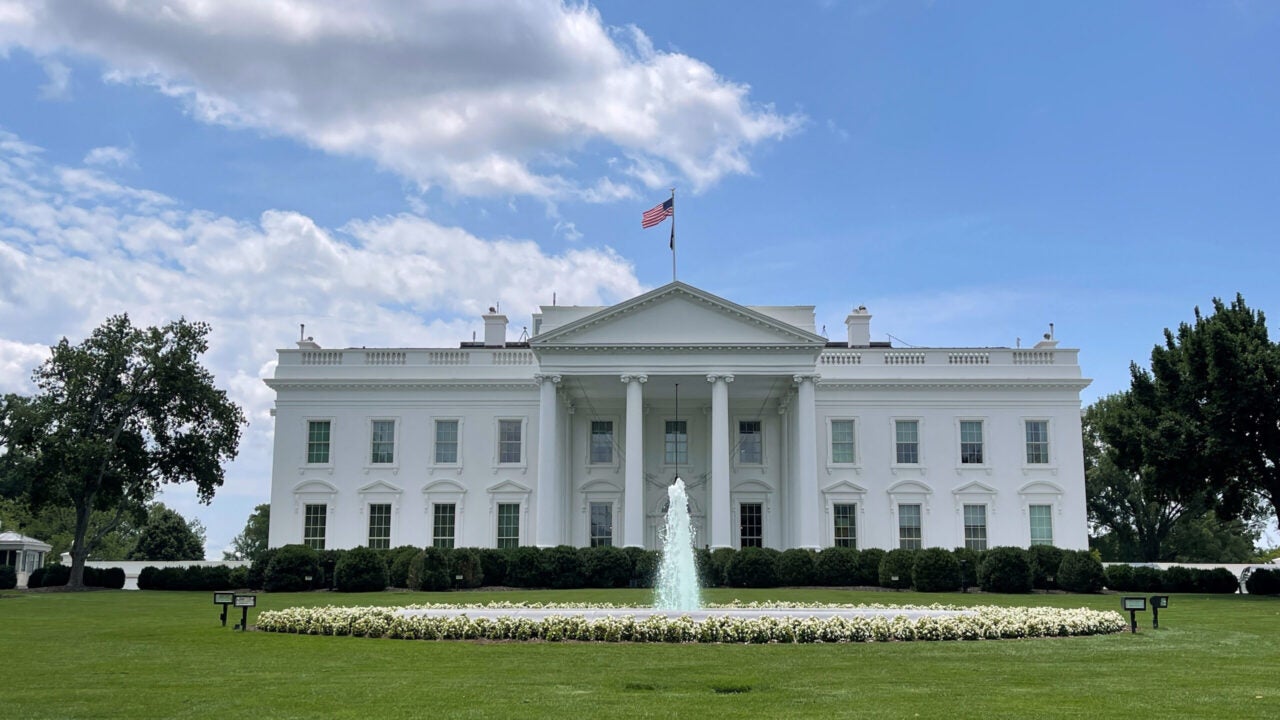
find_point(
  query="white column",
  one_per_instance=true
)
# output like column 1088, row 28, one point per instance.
column 547, row 532
column 721, row 537
column 633, row 490
column 808, row 533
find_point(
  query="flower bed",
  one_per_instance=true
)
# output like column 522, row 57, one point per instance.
column 790, row 626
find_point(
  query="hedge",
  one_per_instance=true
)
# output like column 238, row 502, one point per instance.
column 289, row 568
column 1006, row 570
column 895, row 569
column 1047, row 559
column 465, row 569
column 191, row 577
column 869, row 566
column 1263, row 581
column 796, row 567
column 605, row 567
column 1080, row 572
column 935, row 570
column 361, row 569
column 398, row 561
column 430, row 570
column 563, row 568
column 8, row 577
column 752, row 567
column 837, row 567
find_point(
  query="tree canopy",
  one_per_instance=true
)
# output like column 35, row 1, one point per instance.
column 113, row 418
column 168, row 536
column 253, row 539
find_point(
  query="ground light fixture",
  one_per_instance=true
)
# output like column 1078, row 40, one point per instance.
column 1134, row 605
column 224, row 599
column 1157, row 602
column 244, row 602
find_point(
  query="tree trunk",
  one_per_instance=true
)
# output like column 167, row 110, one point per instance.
column 79, row 549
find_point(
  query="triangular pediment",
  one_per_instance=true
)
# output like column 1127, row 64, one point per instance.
column 379, row 486
column 974, row 488
column 678, row 315
column 508, row 486
column 844, row 487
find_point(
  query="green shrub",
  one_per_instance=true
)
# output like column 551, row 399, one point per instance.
column 1047, row 559
column 564, row 569
column 328, row 563
column 797, row 567
column 1216, row 580
column 430, row 570
column 257, row 577
column 289, row 567
column 1263, row 581
column 706, row 570
column 752, row 567
column 644, row 566
column 398, row 561
column 36, row 578
column 1118, row 577
column 1147, row 579
column 361, row 569
column 239, row 578
column 1177, row 578
column 719, row 569
column 493, row 566
column 113, row 578
column 8, row 577
column 1080, row 572
column 935, row 570
column 969, row 560
column 897, row 564
column 869, row 561
column 837, row 567
column 1006, row 570
column 525, row 567
column 53, row 576
column 605, row 567
column 465, row 569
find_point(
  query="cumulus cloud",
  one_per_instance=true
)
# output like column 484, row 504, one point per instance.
column 76, row 246
column 57, row 85
column 109, row 155
column 482, row 97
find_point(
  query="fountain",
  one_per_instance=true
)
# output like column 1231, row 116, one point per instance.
column 677, row 584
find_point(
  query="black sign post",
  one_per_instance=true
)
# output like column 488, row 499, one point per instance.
column 1157, row 602
column 1134, row 605
column 244, row 602
column 224, row 599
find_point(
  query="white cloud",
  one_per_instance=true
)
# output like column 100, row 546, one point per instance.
column 483, row 97
column 76, row 247
column 109, row 155
column 57, row 84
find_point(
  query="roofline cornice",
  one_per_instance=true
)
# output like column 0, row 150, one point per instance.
column 328, row 384
column 959, row 384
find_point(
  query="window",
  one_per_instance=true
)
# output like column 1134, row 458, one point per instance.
column 842, row 441
column 907, row 445
column 910, row 536
column 444, row 518
column 751, row 525
column 676, row 443
column 975, row 527
column 509, row 441
column 846, row 528
column 508, row 525
column 318, row 442
column 601, row 524
column 971, row 442
column 750, row 444
column 601, row 442
column 383, row 445
column 313, row 525
column 1037, row 442
column 380, row 526
column 446, row 442
column 1041, row 524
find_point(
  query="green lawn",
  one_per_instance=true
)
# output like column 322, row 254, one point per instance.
column 158, row 654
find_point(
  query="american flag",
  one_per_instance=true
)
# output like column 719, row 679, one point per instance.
column 658, row 213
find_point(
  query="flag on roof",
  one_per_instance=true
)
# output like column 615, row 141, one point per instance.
column 658, row 213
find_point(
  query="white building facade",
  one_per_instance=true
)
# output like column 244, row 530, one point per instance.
column 783, row 438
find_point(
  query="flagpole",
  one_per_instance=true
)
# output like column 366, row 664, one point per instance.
column 673, row 234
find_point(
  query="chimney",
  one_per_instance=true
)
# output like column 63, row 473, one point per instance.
column 308, row 343
column 495, row 329
column 859, row 324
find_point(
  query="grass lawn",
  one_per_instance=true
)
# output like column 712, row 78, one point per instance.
column 164, row 654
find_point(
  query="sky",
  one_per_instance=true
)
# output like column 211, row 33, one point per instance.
column 384, row 171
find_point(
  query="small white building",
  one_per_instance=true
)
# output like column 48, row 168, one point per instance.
column 783, row 438
column 23, row 554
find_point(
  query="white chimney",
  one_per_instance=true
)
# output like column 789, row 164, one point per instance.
column 308, row 343
column 495, row 329
column 859, row 324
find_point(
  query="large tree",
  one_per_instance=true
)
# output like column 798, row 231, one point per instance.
column 253, row 539
column 113, row 418
column 1212, row 404
column 168, row 536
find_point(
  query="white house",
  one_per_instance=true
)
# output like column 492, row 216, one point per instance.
column 784, row 438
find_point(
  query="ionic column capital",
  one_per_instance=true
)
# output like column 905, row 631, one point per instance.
column 712, row 377
column 637, row 377
column 801, row 378
column 546, row 377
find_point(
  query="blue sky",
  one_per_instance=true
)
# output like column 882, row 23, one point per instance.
column 970, row 172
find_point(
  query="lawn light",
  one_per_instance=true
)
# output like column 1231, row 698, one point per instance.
column 1134, row 605
column 1157, row 602
column 244, row 602
column 224, row 599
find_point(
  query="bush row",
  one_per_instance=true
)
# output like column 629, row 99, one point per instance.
column 192, row 577
column 1263, row 581
column 1131, row 578
column 8, row 577
column 58, row 575
column 1005, row 569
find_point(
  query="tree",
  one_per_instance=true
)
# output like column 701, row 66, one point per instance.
column 115, row 417
column 1212, row 398
column 253, row 539
column 169, row 536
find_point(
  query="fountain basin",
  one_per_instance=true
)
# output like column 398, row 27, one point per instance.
column 700, row 615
